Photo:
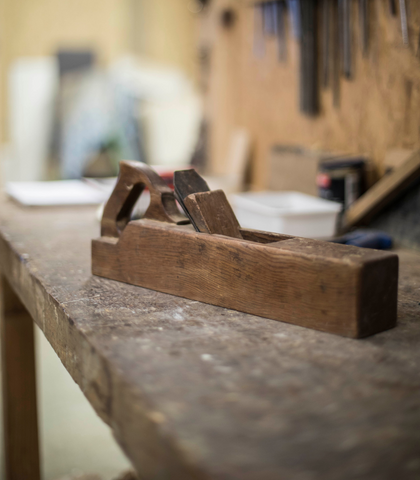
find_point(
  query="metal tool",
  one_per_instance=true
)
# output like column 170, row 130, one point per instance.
column 295, row 20
column 280, row 15
column 366, row 238
column 259, row 43
column 364, row 26
column 274, row 12
column 268, row 18
column 326, row 43
column 187, row 182
column 309, row 92
column 335, row 52
column 393, row 8
column 346, row 46
column 404, row 24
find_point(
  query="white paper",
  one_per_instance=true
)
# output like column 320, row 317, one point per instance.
column 64, row 192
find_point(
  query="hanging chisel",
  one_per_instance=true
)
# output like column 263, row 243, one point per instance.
column 346, row 36
column 281, row 29
column 309, row 94
column 269, row 18
column 404, row 24
column 275, row 13
column 335, row 52
column 393, row 8
column 294, row 9
column 259, row 43
column 364, row 26
column 326, row 42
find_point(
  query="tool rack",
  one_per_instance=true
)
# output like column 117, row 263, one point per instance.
column 371, row 108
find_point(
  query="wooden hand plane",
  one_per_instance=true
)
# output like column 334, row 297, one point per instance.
column 331, row 287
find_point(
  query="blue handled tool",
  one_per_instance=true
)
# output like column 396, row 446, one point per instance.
column 366, row 238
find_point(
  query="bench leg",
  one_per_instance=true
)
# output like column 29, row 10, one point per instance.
column 20, row 421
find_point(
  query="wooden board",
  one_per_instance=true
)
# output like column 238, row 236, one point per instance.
column 193, row 391
column 329, row 287
column 395, row 158
column 20, row 415
column 293, row 168
column 383, row 192
column 302, row 281
column 377, row 111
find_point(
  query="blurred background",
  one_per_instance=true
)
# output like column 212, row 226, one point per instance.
column 296, row 108
column 83, row 83
column 87, row 83
column 314, row 97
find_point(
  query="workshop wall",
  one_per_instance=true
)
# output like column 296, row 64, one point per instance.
column 378, row 108
column 39, row 28
column 165, row 30
column 162, row 30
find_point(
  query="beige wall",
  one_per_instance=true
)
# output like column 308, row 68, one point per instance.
column 39, row 27
column 160, row 29
column 165, row 31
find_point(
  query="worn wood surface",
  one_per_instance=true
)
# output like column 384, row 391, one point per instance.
column 20, row 419
column 328, row 287
column 193, row 391
column 334, row 288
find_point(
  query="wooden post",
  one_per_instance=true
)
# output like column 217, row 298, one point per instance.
column 20, row 421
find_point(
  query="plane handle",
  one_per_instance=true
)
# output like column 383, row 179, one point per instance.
column 133, row 178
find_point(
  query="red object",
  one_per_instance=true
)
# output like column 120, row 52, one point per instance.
column 167, row 173
column 323, row 180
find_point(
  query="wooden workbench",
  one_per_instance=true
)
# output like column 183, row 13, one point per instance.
column 193, row 391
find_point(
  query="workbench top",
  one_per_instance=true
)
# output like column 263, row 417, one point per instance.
column 194, row 391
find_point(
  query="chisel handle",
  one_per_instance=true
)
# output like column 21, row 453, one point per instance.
column 392, row 7
column 133, row 178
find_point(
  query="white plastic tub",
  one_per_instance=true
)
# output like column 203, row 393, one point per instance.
column 291, row 213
